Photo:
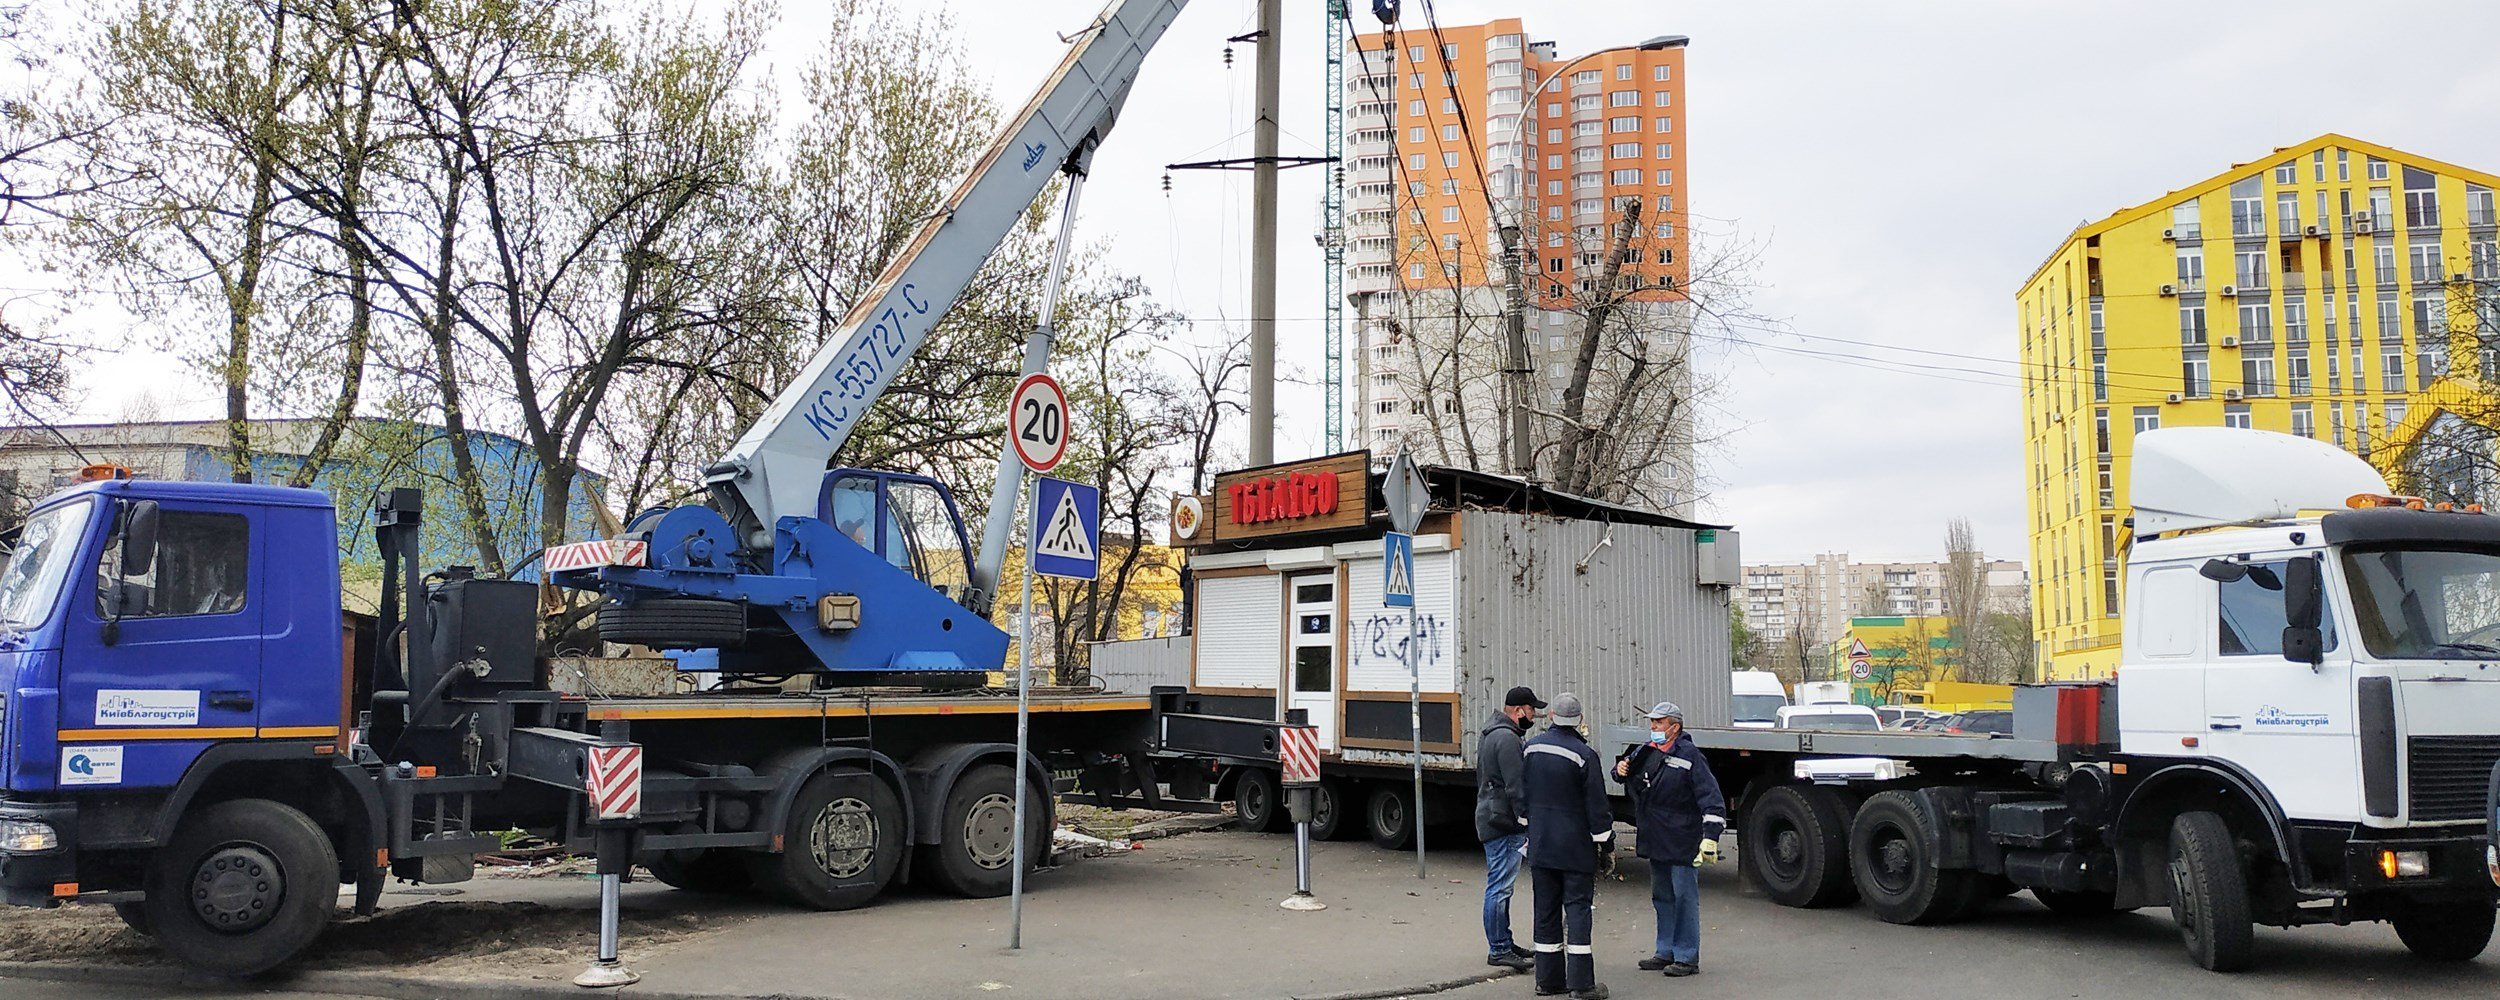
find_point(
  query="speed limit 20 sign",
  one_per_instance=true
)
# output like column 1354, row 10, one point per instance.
column 1037, row 422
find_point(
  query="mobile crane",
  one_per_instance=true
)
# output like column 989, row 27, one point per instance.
column 185, row 734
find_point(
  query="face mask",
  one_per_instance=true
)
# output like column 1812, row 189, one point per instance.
column 1656, row 737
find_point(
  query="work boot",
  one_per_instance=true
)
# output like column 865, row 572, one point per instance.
column 1654, row 963
column 1522, row 953
column 1681, row 969
column 1511, row 961
column 1597, row 992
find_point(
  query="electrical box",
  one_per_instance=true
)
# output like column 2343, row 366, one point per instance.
column 1717, row 561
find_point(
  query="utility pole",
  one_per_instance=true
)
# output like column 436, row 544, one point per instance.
column 1515, row 369
column 1263, row 239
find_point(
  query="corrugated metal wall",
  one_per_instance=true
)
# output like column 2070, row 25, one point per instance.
column 1632, row 630
column 1137, row 666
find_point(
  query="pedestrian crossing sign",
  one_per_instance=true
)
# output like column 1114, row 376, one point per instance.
column 1397, row 566
column 1067, row 529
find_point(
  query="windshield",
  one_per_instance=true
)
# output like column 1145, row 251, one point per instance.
column 1759, row 707
column 36, row 566
column 2426, row 603
column 1851, row 721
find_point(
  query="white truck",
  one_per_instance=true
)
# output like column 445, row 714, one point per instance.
column 2303, row 731
column 1823, row 692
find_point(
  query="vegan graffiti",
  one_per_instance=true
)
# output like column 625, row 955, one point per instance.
column 1384, row 637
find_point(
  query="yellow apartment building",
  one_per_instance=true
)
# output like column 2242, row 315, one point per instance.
column 2329, row 289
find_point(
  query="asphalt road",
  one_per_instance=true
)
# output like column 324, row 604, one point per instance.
column 29, row 989
column 2016, row 949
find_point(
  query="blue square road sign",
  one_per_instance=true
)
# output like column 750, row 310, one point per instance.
column 1067, row 529
column 1397, row 566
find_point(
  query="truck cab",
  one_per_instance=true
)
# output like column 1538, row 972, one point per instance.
column 2319, row 653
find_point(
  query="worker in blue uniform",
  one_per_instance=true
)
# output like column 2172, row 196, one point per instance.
column 1570, row 830
column 1678, row 815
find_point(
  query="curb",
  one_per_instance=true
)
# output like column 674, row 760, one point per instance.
column 371, row 984
column 1392, row 992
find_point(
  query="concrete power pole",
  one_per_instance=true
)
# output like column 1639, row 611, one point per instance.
column 1515, row 369
column 1263, row 239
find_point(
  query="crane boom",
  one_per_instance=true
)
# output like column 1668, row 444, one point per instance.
column 775, row 469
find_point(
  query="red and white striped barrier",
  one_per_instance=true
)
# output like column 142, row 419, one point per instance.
column 596, row 553
column 614, row 781
column 1298, row 750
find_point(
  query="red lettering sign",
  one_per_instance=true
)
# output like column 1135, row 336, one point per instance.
column 1293, row 496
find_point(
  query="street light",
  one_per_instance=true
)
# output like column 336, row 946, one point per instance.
column 1515, row 370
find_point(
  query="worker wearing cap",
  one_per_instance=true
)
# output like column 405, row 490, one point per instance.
column 1678, row 815
column 1569, row 829
column 1502, row 818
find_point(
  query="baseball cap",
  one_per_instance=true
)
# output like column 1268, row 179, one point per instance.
column 1522, row 696
column 1566, row 709
column 1664, row 710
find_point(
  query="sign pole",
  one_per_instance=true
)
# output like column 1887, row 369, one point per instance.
column 1415, row 724
column 1024, row 706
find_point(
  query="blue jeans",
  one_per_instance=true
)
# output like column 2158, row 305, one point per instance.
column 1675, row 891
column 1502, row 858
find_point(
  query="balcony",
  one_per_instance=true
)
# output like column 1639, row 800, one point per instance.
column 2186, row 232
column 2429, row 274
column 2295, row 283
column 2480, row 218
column 2288, row 227
column 2387, row 276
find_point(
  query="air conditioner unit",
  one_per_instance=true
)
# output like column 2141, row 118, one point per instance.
column 2315, row 231
column 2169, row 290
column 2231, row 394
column 2169, row 234
column 2457, row 278
column 2172, row 398
column 2230, row 341
column 2229, row 291
column 2057, row 418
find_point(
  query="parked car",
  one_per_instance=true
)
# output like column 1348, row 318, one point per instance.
column 1840, row 718
column 1900, row 716
column 1986, row 721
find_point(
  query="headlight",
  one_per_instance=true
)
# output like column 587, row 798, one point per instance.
column 2404, row 864
column 26, row 835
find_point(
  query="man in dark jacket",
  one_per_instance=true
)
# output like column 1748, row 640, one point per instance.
column 1678, row 816
column 1502, row 819
column 1569, row 829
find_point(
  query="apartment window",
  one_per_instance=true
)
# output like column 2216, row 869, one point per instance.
column 1415, row 188
column 1666, row 255
column 2191, row 270
column 2235, row 415
column 1415, row 108
column 1666, row 151
column 1449, row 160
column 1449, row 52
column 1586, row 129
column 1449, row 185
column 1554, row 213
column 2287, row 174
column 2395, row 415
column 1414, row 53
column 1623, row 149
column 1553, row 188
column 2317, row 166
column 2183, row 221
column 2296, row 374
column 2195, row 374
column 1589, row 206
column 2256, row 322
column 2287, row 213
column 2430, row 316
column 1449, row 105
column 1385, row 406
column 1585, row 102
column 2478, row 206
column 2248, row 210
column 1415, row 133
column 1416, row 272
column 2251, row 270
column 1586, row 76
column 1658, row 73
column 1665, row 231
column 1586, row 154
column 1587, row 180
column 1666, row 203
column 2100, row 432
column 2304, row 423
column 1626, row 177
column 2421, row 199
column 1623, row 124
column 2426, row 267
column 1663, row 125
column 2192, row 325
column 2100, row 378
column 2381, row 211
column 2383, row 260
column 2257, row 374
column 2378, row 169
column 1415, row 161
column 1449, row 133
column 1623, row 99
column 2392, row 370
column 2296, row 322
column 2147, row 418
column 2387, row 329
column 1449, row 213
column 1666, row 177
column 2485, row 253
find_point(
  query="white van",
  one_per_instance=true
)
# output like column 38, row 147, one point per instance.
column 1757, row 699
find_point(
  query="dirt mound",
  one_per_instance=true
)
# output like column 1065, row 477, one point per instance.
column 441, row 935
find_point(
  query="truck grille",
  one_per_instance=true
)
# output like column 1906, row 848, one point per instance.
column 2449, row 776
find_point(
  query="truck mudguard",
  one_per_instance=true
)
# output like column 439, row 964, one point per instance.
column 2220, row 773
column 352, row 779
column 934, row 770
column 797, row 765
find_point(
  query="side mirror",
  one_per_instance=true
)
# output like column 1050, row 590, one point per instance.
column 2304, row 597
column 139, row 538
column 2222, row 571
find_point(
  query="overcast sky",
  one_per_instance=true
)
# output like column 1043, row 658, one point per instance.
column 1908, row 163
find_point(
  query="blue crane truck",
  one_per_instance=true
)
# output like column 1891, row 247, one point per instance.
column 185, row 736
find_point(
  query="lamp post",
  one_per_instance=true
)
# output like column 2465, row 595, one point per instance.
column 1515, row 368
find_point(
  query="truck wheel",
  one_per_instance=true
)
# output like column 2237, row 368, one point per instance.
column 1259, row 800
column 1332, row 811
column 2078, row 902
column 242, row 887
column 840, row 846
column 136, row 916
column 2454, row 932
column 976, row 849
column 706, row 871
column 675, row 623
column 2209, row 893
column 1892, row 856
column 1796, row 846
column 1389, row 818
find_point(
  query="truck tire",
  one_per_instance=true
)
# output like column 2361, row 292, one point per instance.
column 1389, row 817
column 1892, row 857
column 841, row 845
column 1332, row 810
column 135, row 915
column 2209, row 893
column 1259, row 800
column 2078, row 902
column 1795, row 845
column 675, row 623
column 714, row 872
column 2452, row 932
column 975, row 855
column 242, row 887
